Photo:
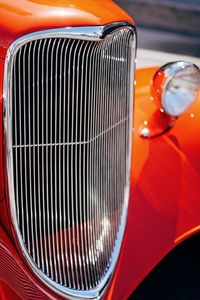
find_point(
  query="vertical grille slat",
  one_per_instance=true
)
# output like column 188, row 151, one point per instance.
column 72, row 161
column 66, row 174
column 76, row 162
column 70, row 123
column 71, row 250
column 86, row 161
column 26, row 206
column 52, row 208
column 34, row 240
column 32, row 133
column 16, row 138
column 59, row 162
column 81, row 175
column 44, row 241
column 37, row 206
column 95, row 117
column 46, row 170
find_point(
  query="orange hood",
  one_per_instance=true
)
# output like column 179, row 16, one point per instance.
column 19, row 17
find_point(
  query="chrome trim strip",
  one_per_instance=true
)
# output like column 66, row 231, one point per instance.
column 95, row 33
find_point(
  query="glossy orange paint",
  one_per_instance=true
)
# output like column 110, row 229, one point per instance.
column 157, row 121
column 19, row 17
column 157, row 85
column 164, row 204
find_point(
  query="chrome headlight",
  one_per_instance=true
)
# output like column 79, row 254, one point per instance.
column 180, row 88
column 174, row 88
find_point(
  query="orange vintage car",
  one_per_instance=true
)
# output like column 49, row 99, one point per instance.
column 99, row 163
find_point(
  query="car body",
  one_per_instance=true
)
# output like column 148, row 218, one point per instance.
column 164, row 207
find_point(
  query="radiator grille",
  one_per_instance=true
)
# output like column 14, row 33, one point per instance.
column 70, row 123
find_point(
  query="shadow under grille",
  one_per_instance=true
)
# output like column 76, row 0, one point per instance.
column 71, row 143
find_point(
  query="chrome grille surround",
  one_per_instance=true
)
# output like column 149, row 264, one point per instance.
column 85, row 272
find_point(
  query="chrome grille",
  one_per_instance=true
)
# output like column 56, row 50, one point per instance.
column 68, row 126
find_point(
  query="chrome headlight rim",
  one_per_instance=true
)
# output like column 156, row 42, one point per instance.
column 170, row 70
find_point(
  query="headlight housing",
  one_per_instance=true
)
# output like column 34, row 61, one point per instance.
column 180, row 87
column 174, row 88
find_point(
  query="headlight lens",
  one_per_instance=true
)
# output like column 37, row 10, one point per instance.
column 181, row 87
